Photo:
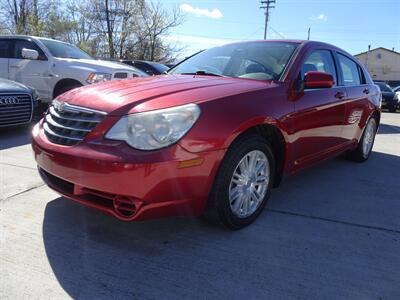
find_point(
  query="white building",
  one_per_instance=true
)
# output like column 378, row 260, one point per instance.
column 383, row 64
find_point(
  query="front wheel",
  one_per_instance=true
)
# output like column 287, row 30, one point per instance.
column 243, row 183
column 364, row 148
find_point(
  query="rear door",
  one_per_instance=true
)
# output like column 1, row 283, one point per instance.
column 5, row 51
column 319, row 113
column 33, row 73
column 352, row 77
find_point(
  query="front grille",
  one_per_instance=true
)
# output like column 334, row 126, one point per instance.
column 67, row 124
column 15, row 109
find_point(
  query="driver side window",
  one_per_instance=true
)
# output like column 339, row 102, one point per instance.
column 321, row 61
column 21, row 44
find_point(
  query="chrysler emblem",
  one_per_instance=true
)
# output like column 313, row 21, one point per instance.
column 59, row 105
column 7, row 100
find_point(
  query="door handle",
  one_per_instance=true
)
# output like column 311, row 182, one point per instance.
column 366, row 91
column 15, row 66
column 339, row 95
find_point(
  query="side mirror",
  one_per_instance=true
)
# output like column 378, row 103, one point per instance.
column 318, row 80
column 29, row 54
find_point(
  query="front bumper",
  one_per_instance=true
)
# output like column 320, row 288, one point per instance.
column 170, row 181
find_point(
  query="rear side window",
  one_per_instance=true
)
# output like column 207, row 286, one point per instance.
column 5, row 48
column 350, row 71
column 21, row 44
column 321, row 61
column 362, row 75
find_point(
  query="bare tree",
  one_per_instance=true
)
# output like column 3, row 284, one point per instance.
column 108, row 28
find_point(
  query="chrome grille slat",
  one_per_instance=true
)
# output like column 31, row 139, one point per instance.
column 15, row 113
column 78, row 119
column 19, row 109
column 50, row 120
column 12, row 116
column 48, row 130
column 67, row 124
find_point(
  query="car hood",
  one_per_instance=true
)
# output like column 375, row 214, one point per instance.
column 144, row 94
column 98, row 64
column 12, row 86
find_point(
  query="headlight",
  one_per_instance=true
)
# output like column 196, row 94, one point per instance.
column 98, row 77
column 155, row 129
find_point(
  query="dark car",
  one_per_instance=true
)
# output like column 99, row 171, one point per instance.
column 389, row 98
column 149, row 67
column 17, row 103
column 212, row 136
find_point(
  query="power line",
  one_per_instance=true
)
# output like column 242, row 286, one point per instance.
column 267, row 5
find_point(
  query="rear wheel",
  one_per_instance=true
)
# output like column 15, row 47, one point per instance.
column 243, row 183
column 364, row 148
column 392, row 109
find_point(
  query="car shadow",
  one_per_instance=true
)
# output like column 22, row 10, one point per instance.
column 96, row 256
column 15, row 136
column 388, row 129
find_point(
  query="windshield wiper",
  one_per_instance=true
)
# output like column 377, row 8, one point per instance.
column 200, row 72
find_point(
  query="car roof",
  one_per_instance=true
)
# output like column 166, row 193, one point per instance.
column 29, row 37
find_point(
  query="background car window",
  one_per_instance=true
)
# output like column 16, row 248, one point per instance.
column 321, row 61
column 144, row 68
column 384, row 87
column 350, row 72
column 4, row 48
column 21, row 44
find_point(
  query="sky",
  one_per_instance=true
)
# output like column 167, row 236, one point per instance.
column 349, row 24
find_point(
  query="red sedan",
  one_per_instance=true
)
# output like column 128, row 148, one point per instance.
column 212, row 136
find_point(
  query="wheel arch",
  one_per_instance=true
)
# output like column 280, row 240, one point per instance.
column 64, row 82
column 274, row 134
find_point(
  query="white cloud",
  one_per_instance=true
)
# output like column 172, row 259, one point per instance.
column 202, row 12
column 320, row 17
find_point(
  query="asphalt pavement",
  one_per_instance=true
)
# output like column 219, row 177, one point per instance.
column 330, row 232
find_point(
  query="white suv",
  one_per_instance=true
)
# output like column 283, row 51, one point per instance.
column 53, row 67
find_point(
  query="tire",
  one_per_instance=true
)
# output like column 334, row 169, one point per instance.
column 392, row 109
column 363, row 151
column 66, row 88
column 232, row 211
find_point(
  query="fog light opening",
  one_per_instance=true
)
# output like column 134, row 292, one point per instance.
column 124, row 206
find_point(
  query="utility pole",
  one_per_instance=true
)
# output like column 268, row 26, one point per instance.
column 308, row 34
column 367, row 58
column 267, row 5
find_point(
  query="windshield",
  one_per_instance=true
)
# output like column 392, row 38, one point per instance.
column 254, row 60
column 159, row 67
column 384, row 87
column 64, row 50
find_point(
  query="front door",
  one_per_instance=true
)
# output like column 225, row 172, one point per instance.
column 319, row 114
column 33, row 73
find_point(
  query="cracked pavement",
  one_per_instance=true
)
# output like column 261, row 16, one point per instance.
column 329, row 232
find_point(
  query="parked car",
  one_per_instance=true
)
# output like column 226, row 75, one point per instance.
column 17, row 103
column 390, row 99
column 208, row 139
column 53, row 67
column 149, row 67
